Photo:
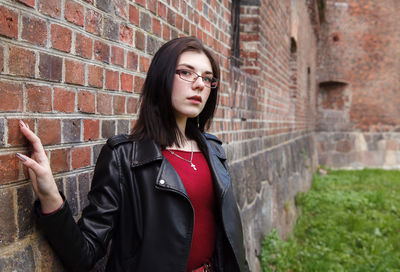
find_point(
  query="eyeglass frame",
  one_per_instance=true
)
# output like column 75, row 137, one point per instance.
column 214, row 79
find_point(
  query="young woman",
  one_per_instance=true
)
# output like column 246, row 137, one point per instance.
column 162, row 196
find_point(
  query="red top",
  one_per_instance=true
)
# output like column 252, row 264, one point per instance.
column 199, row 187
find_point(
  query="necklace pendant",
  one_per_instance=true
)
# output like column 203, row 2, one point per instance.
column 193, row 166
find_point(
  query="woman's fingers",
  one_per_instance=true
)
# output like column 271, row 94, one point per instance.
column 28, row 162
column 34, row 140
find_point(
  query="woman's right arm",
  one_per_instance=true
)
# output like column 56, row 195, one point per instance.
column 80, row 245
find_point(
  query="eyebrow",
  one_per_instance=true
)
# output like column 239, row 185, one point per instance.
column 191, row 67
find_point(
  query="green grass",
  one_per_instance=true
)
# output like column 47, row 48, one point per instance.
column 350, row 222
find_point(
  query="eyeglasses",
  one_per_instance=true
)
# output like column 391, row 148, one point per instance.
column 190, row 76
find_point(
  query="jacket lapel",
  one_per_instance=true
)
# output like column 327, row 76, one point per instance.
column 217, row 161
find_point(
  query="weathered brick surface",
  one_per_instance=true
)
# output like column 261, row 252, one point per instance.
column 34, row 30
column 50, row 67
column 8, row 22
column 64, row 100
column 8, row 228
column 14, row 94
column 21, row 62
column 61, row 37
column 38, row 98
column 25, row 212
column 49, row 131
column 359, row 80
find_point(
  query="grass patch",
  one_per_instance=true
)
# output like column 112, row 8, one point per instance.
column 350, row 222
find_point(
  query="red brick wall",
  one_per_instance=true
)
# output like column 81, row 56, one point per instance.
column 360, row 47
column 359, row 91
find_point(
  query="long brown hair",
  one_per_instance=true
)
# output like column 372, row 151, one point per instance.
column 156, row 115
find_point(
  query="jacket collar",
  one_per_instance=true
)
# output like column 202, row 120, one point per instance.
column 145, row 152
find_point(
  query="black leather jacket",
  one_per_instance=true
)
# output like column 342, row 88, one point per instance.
column 138, row 201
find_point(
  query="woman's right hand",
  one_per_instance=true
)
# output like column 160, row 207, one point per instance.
column 40, row 173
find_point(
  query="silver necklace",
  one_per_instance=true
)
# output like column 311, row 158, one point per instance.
column 191, row 157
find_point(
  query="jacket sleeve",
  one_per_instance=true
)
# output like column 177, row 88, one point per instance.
column 80, row 245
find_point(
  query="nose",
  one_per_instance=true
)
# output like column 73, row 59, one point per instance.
column 198, row 83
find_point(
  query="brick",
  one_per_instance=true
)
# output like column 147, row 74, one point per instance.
column 111, row 29
column 50, row 7
column 179, row 22
column 95, row 76
column 34, row 30
column 134, row 15
column 107, row 128
column 29, row 3
column 131, row 105
column 139, row 40
column 121, row 8
column 101, row 51
column 80, row 157
column 49, row 131
column 8, row 23
column 139, row 81
column 119, row 104
column 117, row 56
column 86, row 101
column 83, row 189
column 156, row 27
column 25, row 215
column 104, row 5
column 152, row 6
column 61, row 38
column 2, row 127
column 112, row 80
column 48, row 261
column 74, row 12
column 162, row 10
column 8, row 228
column 60, row 160
column 21, row 62
column 126, row 34
column 15, row 137
column 166, row 32
column 93, row 22
column 50, row 67
column 9, row 171
column 64, row 100
column 132, row 61
column 21, row 259
column 1, row 59
column 141, row 2
column 104, row 103
column 91, row 129
column 71, row 130
column 152, row 45
column 71, row 194
column 171, row 16
column 144, row 64
column 74, row 72
column 145, row 21
column 14, row 94
column 38, row 98
column 126, row 82
column 123, row 127
column 83, row 46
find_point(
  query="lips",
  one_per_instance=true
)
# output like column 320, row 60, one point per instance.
column 196, row 98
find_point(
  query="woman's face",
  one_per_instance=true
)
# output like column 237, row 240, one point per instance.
column 189, row 98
